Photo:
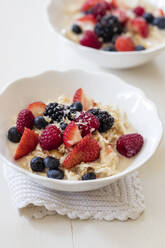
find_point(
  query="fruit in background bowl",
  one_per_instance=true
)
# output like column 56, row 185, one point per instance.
column 99, row 21
column 73, row 138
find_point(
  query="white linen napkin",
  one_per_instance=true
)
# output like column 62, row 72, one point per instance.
column 121, row 200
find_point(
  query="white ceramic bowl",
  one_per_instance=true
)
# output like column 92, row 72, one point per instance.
column 103, row 87
column 119, row 60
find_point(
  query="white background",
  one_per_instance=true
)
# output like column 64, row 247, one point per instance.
column 28, row 46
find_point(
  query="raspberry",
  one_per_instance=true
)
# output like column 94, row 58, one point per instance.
column 99, row 10
column 90, row 39
column 139, row 11
column 124, row 44
column 130, row 144
column 50, row 138
column 25, row 119
column 87, row 123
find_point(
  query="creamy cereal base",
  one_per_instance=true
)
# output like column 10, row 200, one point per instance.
column 107, row 165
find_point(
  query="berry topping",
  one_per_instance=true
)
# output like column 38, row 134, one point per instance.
column 51, row 163
column 71, row 135
column 148, row 17
column 56, row 111
column 99, row 10
column 90, row 39
column 140, row 48
column 37, row 164
column 106, row 120
column 80, row 96
column 63, row 125
column 50, row 138
column 87, row 150
column 25, row 119
column 76, row 29
column 55, row 174
column 140, row 26
column 87, row 123
column 37, row 108
column 110, row 49
column 76, row 106
column 159, row 22
column 40, row 122
column 139, row 11
column 124, row 44
column 121, row 15
column 87, row 18
column 90, row 4
column 107, row 27
column 13, row 135
column 129, row 145
column 89, row 176
column 28, row 143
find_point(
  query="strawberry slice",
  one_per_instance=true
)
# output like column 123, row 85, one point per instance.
column 71, row 135
column 124, row 44
column 37, row 108
column 90, row 4
column 87, row 150
column 87, row 18
column 80, row 96
column 140, row 26
column 121, row 15
column 28, row 143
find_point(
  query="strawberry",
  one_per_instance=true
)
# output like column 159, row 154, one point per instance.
column 71, row 135
column 25, row 119
column 87, row 123
column 121, row 15
column 50, row 138
column 80, row 96
column 87, row 18
column 140, row 26
column 124, row 44
column 87, row 150
column 37, row 108
column 90, row 4
column 28, row 143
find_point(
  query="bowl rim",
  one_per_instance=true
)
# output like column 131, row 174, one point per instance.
column 99, row 180
column 101, row 52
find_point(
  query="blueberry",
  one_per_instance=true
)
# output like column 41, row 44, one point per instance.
column 110, row 49
column 76, row 106
column 159, row 22
column 89, row 176
column 76, row 29
column 140, row 48
column 37, row 164
column 14, row 135
column 55, row 174
column 63, row 125
column 40, row 122
column 51, row 163
column 148, row 17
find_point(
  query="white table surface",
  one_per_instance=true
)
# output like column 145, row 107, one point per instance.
column 28, row 46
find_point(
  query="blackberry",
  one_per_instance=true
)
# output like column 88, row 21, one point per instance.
column 55, row 111
column 107, row 27
column 106, row 120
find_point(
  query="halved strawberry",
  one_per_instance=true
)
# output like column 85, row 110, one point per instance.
column 121, row 15
column 124, row 44
column 37, row 108
column 87, row 150
column 27, row 144
column 90, row 4
column 140, row 26
column 87, row 18
column 71, row 135
column 80, row 96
